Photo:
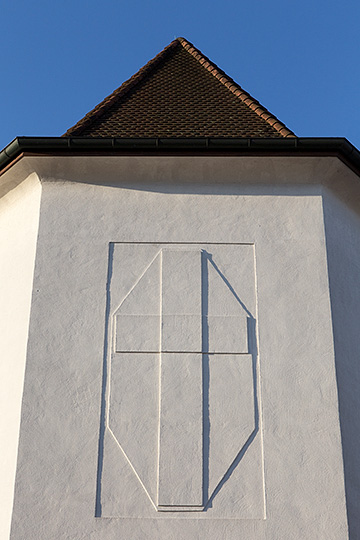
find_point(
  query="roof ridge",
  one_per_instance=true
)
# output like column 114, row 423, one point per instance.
column 236, row 89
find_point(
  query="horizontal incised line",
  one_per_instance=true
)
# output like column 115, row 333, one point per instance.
column 181, row 352
column 189, row 243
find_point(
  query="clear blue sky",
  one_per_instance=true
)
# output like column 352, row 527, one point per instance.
column 299, row 59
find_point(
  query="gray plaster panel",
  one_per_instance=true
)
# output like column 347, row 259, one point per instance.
column 232, row 416
column 137, row 333
column 134, row 411
column 181, row 333
column 181, row 282
column 143, row 295
column 181, row 300
column 180, row 431
column 227, row 334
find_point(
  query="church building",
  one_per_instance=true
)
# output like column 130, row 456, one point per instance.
column 180, row 300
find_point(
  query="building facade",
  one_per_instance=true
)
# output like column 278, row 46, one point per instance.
column 180, row 287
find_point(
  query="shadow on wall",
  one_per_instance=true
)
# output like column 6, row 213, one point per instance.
column 342, row 228
column 252, row 343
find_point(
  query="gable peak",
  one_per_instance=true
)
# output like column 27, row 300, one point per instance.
column 180, row 93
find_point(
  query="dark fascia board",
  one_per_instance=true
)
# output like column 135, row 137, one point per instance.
column 292, row 146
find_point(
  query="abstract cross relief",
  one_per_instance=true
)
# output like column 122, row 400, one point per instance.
column 180, row 429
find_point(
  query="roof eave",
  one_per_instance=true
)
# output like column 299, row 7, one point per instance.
column 324, row 146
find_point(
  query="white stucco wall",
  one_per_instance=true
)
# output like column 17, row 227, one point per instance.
column 342, row 224
column 19, row 218
column 273, row 204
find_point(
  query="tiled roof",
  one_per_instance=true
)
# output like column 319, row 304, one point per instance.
column 179, row 93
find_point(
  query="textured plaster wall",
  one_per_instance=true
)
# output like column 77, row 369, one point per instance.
column 180, row 200
column 342, row 226
column 19, row 218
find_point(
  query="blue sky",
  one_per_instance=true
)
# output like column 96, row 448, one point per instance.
column 61, row 58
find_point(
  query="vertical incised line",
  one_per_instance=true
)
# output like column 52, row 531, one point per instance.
column 205, row 372
column 105, row 379
column 159, row 397
column 258, row 383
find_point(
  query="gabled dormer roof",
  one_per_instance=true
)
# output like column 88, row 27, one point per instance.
column 178, row 94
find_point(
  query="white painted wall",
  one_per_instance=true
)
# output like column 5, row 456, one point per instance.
column 19, row 218
column 342, row 226
column 275, row 204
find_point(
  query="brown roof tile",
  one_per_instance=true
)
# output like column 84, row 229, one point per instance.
column 179, row 93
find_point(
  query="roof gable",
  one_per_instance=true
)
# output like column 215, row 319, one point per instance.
column 179, row 93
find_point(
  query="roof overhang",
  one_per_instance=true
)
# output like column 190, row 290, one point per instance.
column 85, row 146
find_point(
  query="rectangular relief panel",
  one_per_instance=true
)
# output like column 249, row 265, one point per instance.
column 181, row 429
